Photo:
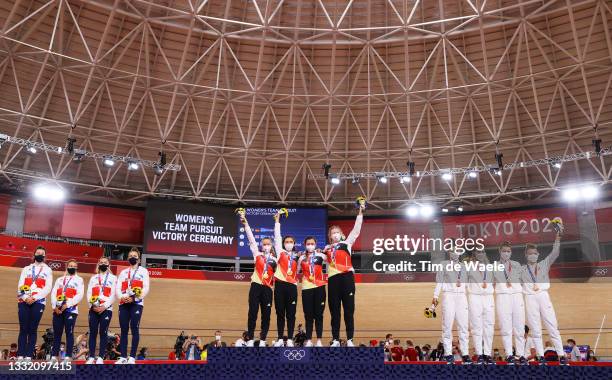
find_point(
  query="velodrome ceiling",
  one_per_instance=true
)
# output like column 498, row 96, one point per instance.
column 252, row 97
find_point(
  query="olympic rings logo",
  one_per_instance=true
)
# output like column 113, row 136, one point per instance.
column 601, row 272
column 239, row 276
column 55, row 265
column 294, row 354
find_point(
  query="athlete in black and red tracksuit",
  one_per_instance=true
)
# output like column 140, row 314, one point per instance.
column 285, row 284
column 341, row 279
column 262, row 282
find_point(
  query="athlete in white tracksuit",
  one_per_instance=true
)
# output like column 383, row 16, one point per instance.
column 510, row 304
column 536, row 283
column 481, row 307
column 454, row 305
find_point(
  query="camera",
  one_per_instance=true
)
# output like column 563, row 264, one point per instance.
column 47, row 341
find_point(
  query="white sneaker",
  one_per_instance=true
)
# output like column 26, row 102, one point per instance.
column 131, row 360
column 19, row 358
column 27, row 359
column 289, row 343
column 262, row 343
column 250, row 343
column 308, row 344
column 278, row 343
column 67, row 359
column 121, row 361
column 349, row 343
column 53, row 359
column 335, row 343
column 319, row 343
column 99, row 360
column 90, row 360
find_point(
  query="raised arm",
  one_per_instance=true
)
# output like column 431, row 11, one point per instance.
column 356, row 229
column 252, row 242
column 554, row 254
column 278, row 238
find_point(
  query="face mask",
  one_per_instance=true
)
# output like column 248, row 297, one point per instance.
column 133, row 260
column 505, row 255
column 336, row 236
column 267, row 248
column 532, row 258
column 218, row 337
column 289, row 246
column 39, row 258
column 103, row 267
column 71, row 270
column 310, row 247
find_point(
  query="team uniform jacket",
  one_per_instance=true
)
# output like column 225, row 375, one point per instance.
column 133, row 278
column 39, row 282
column 102, row 286
column 72, row 288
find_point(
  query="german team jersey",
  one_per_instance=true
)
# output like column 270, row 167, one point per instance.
column 287, row 267
column 265, row 266
column 339, row 254
column 35, row 281
column 68, row 290
column 101, row 290
column 133, row 282
column 312, row 270
column 339, row 258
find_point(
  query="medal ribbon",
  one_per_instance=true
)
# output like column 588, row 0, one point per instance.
column 100, row 285
column 131, row 276
column 311, row 259
column 533, row 278
column 34, row 278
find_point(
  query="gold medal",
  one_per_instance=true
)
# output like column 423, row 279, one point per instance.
column 332, row 264
column 311, row 278
column 265, row 276
column 289, row 272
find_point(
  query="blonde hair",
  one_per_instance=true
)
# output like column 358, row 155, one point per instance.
column 334, row 227
column 70, row 261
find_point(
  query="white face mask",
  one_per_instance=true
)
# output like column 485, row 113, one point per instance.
column 289, row 246
column 336, row 236
column 218, row 337
column 505, row 255
column 266, row 248
column 310, row 247
column 533, row 258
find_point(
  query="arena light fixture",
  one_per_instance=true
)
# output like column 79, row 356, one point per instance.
column 426, row 211
column 78, row 156
column 447, row 176
column 355, row 180
column 405, row 179
column 412, row 211
column 132, row 165
column 590, row 192
column 571, row 194
column 334, row 179
column 460, row 208
column 444, row 210
column 48, row 192
column 31, row 149
column 381, row 177
column 326, row 168
column 109, row 162
column 472, row 174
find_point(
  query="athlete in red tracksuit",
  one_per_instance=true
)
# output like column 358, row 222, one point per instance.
column 341, row 279
column 262, row 282
column 285, row 284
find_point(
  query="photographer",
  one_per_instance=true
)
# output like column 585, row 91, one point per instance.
column 192, row 348
column 178, row 347
column 45, row 348
column 300, row 337
column 111, row 348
